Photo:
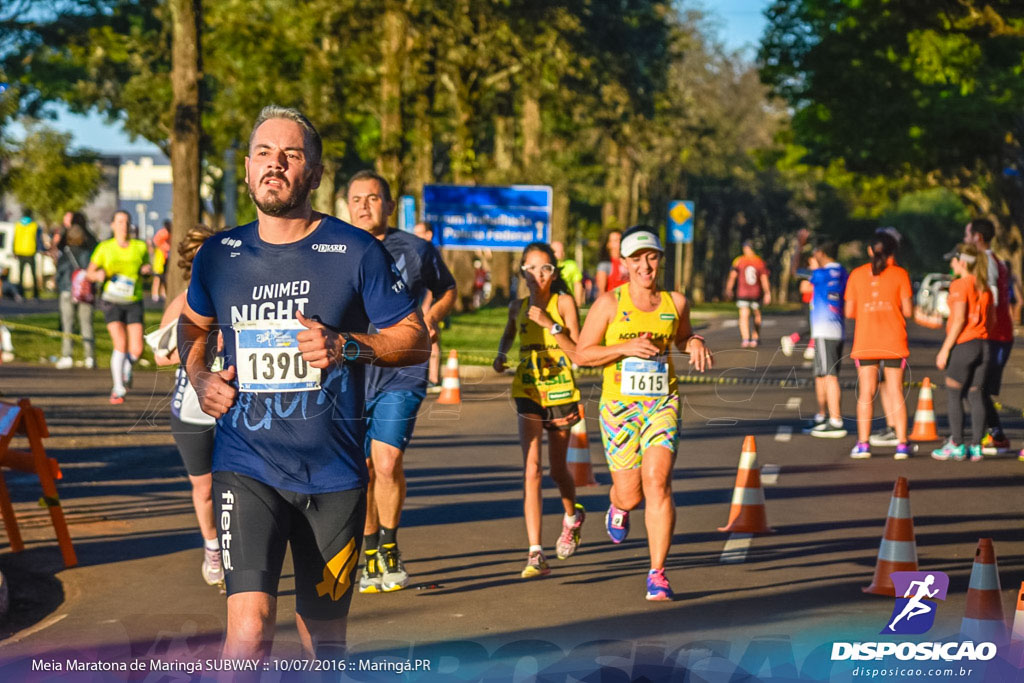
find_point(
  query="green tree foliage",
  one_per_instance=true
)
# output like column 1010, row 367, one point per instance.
column 47, row 179
column 109, row 55
column 620, row 106
column 931, row 222
column 925, row 88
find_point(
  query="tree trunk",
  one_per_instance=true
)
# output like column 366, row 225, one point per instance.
column 423, row 145
column 393, row 47
column 503, row 144
column 611, row 183
column 531, row 130
column 627, row 179
column 185, row 131
column 324, row 197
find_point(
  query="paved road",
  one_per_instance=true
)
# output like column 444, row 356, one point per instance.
column 138, row 594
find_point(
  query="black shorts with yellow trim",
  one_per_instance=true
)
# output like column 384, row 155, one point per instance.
column 255, row 522
column 554, row 418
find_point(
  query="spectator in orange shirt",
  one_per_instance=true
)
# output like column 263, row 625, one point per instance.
column 965, row 352
column 878, row 298
column 160, row 256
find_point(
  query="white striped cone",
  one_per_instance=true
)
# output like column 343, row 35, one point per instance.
column 1017, row 635
column 451, row 393
column 578, row 455
column 924, row 417
column 898, row 551
column 747, row 514
column 983, row 615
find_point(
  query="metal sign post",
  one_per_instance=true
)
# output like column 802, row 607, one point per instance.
column 680, row 231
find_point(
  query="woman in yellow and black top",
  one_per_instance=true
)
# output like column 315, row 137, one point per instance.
column 630, row 330
column 118, row 265
column 546, row 396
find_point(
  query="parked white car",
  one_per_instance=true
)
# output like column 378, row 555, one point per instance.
column 933, row 293
column 45, row 266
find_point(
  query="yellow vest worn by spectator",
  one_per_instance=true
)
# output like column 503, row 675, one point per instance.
column 25, row 237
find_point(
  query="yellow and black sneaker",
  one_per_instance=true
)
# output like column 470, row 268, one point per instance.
column 394, row 575
column 372, row 576
column 536, row 565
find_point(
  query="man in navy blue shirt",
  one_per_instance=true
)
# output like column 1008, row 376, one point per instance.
column 393, row 395
column 294, row 294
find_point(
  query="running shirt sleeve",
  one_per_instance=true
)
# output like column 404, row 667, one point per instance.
column 852, row 289
column 386, row 298
column 436, row 276
column 198, row 296
column 906, row 291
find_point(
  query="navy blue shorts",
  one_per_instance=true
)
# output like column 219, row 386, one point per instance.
column 391, row 417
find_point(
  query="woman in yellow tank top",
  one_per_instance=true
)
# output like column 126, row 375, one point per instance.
column 630, row 331
column 546, row 396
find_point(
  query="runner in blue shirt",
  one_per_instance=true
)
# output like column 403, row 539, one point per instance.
column 393, row 395
column 828, row 281
column 294, row 294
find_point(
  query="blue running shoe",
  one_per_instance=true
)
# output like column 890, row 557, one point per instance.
column 616, row 521
column 950, row 451
column 657, row 586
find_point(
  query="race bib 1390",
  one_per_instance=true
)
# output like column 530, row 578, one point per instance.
column 268, row 358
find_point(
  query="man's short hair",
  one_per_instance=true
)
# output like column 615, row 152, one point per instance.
column 827, row 247
column 367, row 174
column 314, row 147
column 984, row 228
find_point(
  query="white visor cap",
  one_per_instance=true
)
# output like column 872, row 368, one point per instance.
column 638, row 241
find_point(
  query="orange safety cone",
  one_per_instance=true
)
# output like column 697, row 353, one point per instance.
column 451, row 394
column 747, row 514
column 1017, row 635
column 983, row 616
column 578, row 456
column 924, row 418
column 898, row 551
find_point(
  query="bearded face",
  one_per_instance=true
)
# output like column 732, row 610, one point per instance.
column 275, row 195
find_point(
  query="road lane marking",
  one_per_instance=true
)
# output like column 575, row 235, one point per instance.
column 735, row 550
column 785, row 433
column 769, row 474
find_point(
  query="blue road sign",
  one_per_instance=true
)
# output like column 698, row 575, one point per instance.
column 406, row 212
column 498, row 218
column 680, row 221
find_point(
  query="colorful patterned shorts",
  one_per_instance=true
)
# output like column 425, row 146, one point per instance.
column 628, row 428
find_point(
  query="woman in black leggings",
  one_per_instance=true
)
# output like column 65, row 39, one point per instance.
column 964, row 353
column 192, row 429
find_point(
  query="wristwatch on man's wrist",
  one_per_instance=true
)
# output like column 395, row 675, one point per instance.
column 556, row 329
column 351, row 350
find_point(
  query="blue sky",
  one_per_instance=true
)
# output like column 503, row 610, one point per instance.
column 740, row 24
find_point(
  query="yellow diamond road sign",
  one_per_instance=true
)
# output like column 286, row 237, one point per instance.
column 680, row 213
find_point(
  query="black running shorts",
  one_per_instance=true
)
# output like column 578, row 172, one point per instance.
column 195, row 445
column 828, row 357
column 554, row 418
column 128, row 314
column 255, row 523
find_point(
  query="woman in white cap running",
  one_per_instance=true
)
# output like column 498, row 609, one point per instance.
column 630, row 331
